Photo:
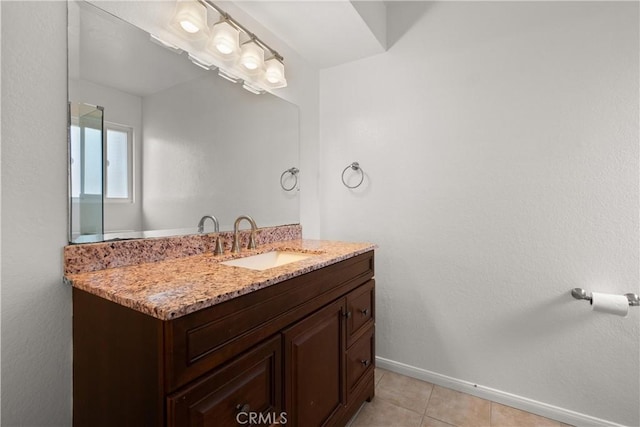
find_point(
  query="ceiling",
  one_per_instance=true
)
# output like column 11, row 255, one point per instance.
column 325, row 33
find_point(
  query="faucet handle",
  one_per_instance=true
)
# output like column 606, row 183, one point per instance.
column 235, row 247
column 252, row 241
column 218, row 248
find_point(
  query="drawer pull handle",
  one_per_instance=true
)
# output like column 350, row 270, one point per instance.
column 365, row 363
column 243, row 408
column 364, row 311
column 347, row 314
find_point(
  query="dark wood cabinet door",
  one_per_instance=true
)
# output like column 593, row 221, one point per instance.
column 314, row 367
column 246, row 391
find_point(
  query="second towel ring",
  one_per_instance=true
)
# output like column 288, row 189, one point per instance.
column 356, row 167
column 294, row 173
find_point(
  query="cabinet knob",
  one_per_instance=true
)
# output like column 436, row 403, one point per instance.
column 347, row 314
column 364, row 311
column 243, row 408
column 365, row 362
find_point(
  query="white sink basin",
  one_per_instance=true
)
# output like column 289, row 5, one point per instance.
column 267, row 260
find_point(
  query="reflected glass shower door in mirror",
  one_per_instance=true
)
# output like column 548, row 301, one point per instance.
column 86, row 153
column 180, row 142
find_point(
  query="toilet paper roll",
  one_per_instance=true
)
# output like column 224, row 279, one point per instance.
column 609, row 303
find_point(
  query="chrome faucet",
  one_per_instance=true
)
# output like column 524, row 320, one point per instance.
column 236, row 235
column 218, row 249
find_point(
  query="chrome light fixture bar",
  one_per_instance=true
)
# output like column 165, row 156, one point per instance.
column 237, row 53
column 226, row 17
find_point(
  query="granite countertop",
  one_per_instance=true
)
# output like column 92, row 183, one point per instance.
column 170, row 289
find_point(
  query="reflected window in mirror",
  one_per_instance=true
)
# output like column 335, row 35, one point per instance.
column 86, row 159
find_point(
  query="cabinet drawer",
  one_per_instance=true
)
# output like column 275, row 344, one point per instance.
column 251, row 383
column 360, row 306
column 360, row 360
column 203, row 340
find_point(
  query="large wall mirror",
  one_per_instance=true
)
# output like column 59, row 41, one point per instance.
column 178, row 142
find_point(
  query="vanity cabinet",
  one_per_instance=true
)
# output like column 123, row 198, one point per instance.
column 298, row 353
column 251, row 382
column 327, row 356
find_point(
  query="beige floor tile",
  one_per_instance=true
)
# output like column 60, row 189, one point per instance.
column 380, row 413
column 432, row 422
column 399, row 400
column 407, row 392
column 379, row 373
column 459, row 409
column 505, row 416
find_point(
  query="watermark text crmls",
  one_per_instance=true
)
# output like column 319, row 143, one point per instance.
column 260, row 418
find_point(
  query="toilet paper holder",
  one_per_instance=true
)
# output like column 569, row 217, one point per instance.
column 579, row 293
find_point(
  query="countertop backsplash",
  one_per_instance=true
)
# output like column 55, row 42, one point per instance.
column 122, row 253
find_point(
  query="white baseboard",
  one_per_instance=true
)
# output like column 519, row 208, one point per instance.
column 518, row 402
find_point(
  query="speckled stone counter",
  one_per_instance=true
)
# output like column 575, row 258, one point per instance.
column 173, row 288
column 122, row 253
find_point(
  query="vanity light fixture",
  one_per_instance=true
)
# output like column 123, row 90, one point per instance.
column 252, row 57
column 224, row 42
column 274, row 73
column 190, row 18
column 238, row 54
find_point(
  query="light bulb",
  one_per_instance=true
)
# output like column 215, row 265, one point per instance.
column 274, row 73
column 224, row 42
column 189, row 26
column 224, row 48
column 190, row 19
column 252, row 57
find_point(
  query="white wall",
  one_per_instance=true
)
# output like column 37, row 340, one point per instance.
column 123, row 109
column 36, row 306
column 500, row 143
column 212, row 148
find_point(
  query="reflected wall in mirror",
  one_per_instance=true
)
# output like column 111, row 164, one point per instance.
column 179, row 141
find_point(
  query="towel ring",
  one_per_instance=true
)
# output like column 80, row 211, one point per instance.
column 294, row 173
column 356, row 167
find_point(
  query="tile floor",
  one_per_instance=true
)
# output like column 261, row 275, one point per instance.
column 407, row 402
